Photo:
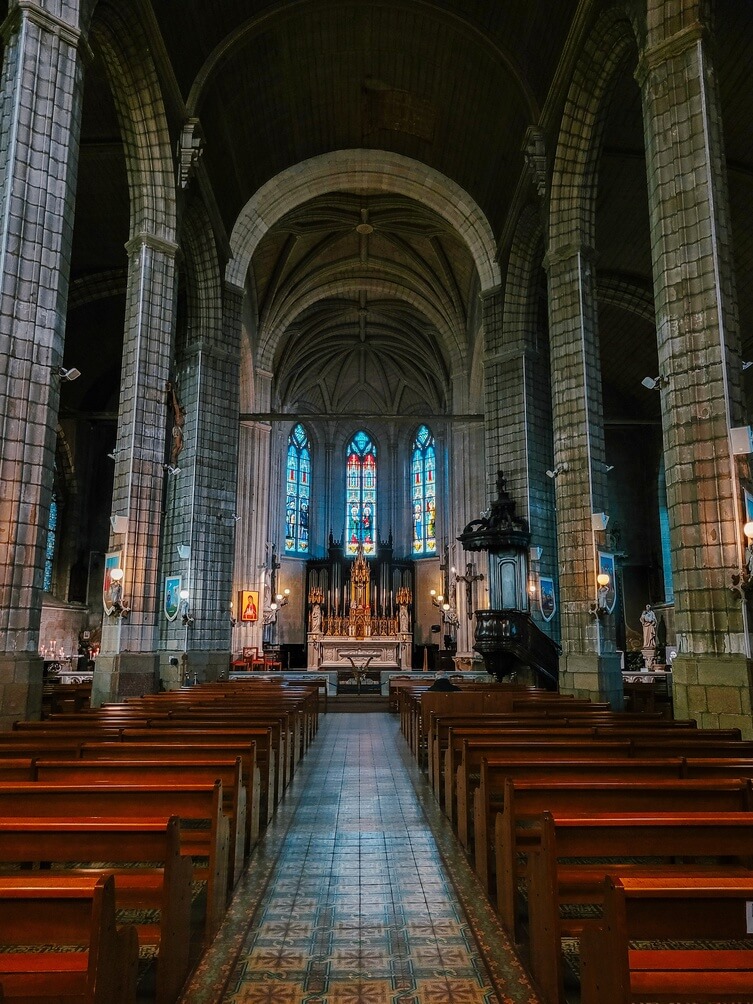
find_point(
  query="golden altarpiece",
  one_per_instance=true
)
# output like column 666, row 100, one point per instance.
column 359, row 610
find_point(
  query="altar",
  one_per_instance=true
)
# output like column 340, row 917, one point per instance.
column 343, row 652
column 369, row 629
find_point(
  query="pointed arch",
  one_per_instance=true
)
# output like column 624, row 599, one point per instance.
column 360, row 494
column 298, row 491
column 423, row 493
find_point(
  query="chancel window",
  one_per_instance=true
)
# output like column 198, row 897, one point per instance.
column 297, row 492
column 424, row 493
column 360, row 495
column 49, row 548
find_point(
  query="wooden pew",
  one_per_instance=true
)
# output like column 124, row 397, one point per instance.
column 59, row 911
column 177, row 754
column 155, row 772
column 197, row 803
column 658, row 910
column 515, row 833
column 166, row 886
column 488, row 797
column 663, row 835
column 266, row 757
column 467, row 760
column 17, row 769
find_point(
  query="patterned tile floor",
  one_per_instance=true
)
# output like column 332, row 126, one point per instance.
column 358, row 893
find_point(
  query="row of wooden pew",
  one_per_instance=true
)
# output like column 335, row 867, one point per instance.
column 602, row 827
column 127, row 827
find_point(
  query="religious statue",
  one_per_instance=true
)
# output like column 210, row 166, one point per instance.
column 403, row 618
column 648, row 622
column 179, row 420
column 316, row 618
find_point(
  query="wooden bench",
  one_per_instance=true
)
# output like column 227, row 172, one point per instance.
column 515, row 833
column 466, row 755
column 554, row 882
column 658, row 910
column 488, row 796
column 17, row 769
column 59, row 911
column 165, row 886
column 177, row 754
column 155, row 772
column 199, row 804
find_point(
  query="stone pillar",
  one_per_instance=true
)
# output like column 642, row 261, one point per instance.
column 590, row 664
column 201, row 501
column 40, row 118
column 252, row 533
column 699, row 356
column 128, row 660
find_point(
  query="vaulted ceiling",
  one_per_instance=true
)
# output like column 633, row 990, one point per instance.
column 452, row 85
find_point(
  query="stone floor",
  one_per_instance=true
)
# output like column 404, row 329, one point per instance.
column 358, row 893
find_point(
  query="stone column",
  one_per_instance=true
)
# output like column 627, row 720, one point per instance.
column 128, row 660
column 699, row 357
column 40, row 118
column 252, row 533
column 201, row 501
column 590, row 664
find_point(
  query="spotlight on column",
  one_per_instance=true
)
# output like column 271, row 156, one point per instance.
column 655, row 383
column 172, row 471
column 559, row 469
column 184, row 551
column 747, row 364
column 70, row 374
column 604, row 467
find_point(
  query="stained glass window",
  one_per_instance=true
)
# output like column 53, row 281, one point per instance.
column 297, row 492
column 424, row 493
column 360, row 495
column 49, row 548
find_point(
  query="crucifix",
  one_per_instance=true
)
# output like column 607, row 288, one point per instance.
column 469, row 578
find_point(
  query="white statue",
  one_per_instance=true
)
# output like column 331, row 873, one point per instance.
column 403, row 618
column 316, row 618
column 648, row 622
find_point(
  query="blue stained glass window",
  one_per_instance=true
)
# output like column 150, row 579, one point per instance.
column 360, row 495
column 297, row 492
column 424, row 493
column 49, row 549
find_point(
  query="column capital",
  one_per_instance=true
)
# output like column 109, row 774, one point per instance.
column 656, row 55
column 30, row 10
column 134, row 245
column 565, row 252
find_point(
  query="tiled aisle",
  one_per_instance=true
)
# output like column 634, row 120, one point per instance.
column 347, row 900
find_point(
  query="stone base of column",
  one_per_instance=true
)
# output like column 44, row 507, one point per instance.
column 207, row 666
column 715, row 690
column 126, row 674
column 20, row 687
column 596, row 676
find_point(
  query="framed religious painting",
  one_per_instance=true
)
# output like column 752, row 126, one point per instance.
column 547, row 599
column 172, row 596
column 606, row 567
column 112, row 589
column 249, row 605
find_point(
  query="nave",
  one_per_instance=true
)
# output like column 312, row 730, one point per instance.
column 358, row 893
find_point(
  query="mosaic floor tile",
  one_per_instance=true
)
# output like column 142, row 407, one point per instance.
column 358, row 893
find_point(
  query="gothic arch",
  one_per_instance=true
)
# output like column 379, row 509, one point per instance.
column 140, row 107
column 572, row 206
column 360, row 171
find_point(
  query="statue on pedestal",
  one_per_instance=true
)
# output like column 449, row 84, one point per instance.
column 648, row 623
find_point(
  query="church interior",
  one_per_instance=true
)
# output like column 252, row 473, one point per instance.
column 348, row 347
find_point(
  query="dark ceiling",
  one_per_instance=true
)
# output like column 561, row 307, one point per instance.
column 453, row 85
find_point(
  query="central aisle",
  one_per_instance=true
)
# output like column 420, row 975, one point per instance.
column 347, row 900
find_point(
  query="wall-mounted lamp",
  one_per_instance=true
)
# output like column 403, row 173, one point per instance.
column 599, row 520
column 281, row 600
column 742, row 582
column 600, row 608
column 232, row 615
column 119, row 607
column 186, row 616
column 68, row 375
column 655, row 383
column 559, row 469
